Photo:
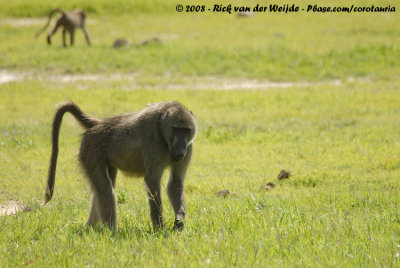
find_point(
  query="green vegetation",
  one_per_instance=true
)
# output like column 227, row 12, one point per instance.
column 305, row 46
column 340, row 207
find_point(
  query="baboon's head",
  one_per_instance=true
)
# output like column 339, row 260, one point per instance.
column 81, row 13
column 178, row 129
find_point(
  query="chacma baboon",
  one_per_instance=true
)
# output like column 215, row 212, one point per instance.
column 141, row 143
column 69, row 21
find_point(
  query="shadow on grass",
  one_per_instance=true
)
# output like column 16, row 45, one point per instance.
column 123, row 232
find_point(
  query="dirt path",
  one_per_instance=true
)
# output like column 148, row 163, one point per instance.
column 24, row 22
column 132, row 81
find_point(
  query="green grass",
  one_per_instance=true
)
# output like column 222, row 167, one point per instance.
column 340, row 207
column 26, row 8
column 267, row 46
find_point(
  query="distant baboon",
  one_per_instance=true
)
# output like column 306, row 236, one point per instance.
column 140, row 143
column 69, row 21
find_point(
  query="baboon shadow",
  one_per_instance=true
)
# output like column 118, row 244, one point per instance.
column 125, row 232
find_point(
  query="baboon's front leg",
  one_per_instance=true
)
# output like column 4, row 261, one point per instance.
column 64, row 36
column 154, row 194
column 86, row 35
column 175, row 188
column 72, row 36
column 176, row 196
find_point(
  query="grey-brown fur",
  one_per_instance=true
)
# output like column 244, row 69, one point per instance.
column 142, row 143
column 69, row 21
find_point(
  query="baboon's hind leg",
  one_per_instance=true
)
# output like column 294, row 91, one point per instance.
column 112, row 173
column 52, row 32
column 104, row 204
column 94, row 215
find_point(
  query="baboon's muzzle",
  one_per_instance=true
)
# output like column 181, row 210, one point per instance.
column 178, row 155
column 179, row 150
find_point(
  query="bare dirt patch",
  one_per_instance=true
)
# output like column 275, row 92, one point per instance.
column 25, row 22
column 210, row 82
column 11, row 208
column 133, row 81
column 6, row 76
column 22, row 22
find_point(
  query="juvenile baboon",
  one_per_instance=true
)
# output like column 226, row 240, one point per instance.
column 69, row 21
column 140, row 143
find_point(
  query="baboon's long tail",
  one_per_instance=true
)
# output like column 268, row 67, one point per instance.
column 54, row 10
column 84, row 120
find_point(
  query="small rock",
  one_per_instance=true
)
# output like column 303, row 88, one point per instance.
column 284, row 175
column 120, row 43
column 269, row 186
column 242, row 14
column 280, row 35
column 223, row 193
column 155, row 40
column 11, row 208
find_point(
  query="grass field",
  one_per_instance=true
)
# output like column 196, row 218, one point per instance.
column 334, row 124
